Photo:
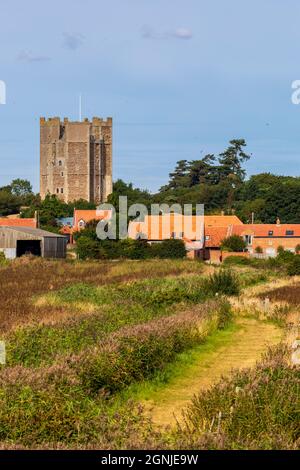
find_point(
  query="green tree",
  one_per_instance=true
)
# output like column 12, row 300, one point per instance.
column 20, row 187
column 180, row 178
column 134, row 195
column 9, row 204
column 233, row 243
column 231, row 160
column 203, row 171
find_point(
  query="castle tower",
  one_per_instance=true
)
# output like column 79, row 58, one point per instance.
column 76, row 159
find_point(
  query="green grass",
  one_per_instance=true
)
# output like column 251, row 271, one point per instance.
column 182, row 367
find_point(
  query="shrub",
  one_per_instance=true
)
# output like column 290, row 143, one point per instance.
column 293, row 268
column 233, row 243
column 284, row 256
column 87, row 248
column 224, row 315
column 258, row 249
column 135, row 249
column 297, row 249
column 172, row 248
column 3, row 260
column 222, row 282
column 280, row 250
column 237, row 261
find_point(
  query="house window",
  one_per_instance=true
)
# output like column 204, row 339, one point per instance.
column 207, row 237
column 57, row 190
column 62, row 173
column 248, row 239
column 181, row 234
column 270, row 233
column 173, row 235
column 81, row 224
column 59, row 163
column 289, row 232
column 62, row 190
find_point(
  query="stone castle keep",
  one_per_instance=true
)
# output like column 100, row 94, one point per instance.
column 76, row 159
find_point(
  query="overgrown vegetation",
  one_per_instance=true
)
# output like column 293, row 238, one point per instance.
column 79, row 334
column 255, row 409
column 117, row 334
column 223, row 282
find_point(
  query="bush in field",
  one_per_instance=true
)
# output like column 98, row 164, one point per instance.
column 284, row 256
column 255, row 409
column 293, row 268
column 222, row 282
column 224, row 315
column 135, row 249
column 237, row 261
column 233, row 243
column 87, row 248
column 172, row 248
column 3, row 260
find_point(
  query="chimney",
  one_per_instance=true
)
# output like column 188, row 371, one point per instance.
column 277, row 221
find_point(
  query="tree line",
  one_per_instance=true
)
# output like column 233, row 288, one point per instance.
column 217, row 181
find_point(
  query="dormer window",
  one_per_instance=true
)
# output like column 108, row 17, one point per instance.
column 289, row 233
column 81, row 224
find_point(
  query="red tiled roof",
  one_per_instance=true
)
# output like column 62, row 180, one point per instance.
column 214, row 236
column 262, row 230
column 89, row 215
column 155, row 229
column 17, row 222
column 221, row 220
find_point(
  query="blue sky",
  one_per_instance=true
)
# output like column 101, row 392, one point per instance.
column 180, row 79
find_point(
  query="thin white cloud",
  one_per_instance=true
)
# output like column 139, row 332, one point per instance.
column 73, row 41
column 28, row 56
column 183, row 33
column 179, row 33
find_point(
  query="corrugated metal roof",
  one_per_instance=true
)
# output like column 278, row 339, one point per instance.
column 33, row 231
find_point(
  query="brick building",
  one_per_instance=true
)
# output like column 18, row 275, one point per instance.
column 76, row 159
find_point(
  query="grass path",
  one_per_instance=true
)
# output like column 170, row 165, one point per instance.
column 239, row 346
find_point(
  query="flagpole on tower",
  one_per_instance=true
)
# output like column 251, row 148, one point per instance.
column 80, row 107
